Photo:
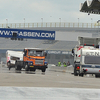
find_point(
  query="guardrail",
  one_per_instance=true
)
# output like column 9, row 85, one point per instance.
column 50, row 24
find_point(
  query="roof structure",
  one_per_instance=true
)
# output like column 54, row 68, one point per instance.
column 90, row 7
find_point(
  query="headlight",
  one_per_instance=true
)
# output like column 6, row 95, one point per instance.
column 30, row 63
column 45, row 63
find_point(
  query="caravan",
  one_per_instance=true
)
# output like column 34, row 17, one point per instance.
column 12, row 56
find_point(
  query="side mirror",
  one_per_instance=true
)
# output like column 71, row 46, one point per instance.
column 73, row 51
column 25, row 52
column 45, row 54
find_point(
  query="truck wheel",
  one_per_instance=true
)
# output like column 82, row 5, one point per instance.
column 26, row 67
column 16, row 67
column 9, row 67
column 19, row 68
column 33, row 70
column 8, row 64
column 43, row 69
column 81, row 74
column 97, row 75
column 75, row 73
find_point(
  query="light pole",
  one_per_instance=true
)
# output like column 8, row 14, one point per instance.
column 91, row 22
column 42, row 22
column 60, row 22
column 6, row 23
column 24, row 22
column 50, row 18
column 78, row 22
column 50, row 21
column 98, row 25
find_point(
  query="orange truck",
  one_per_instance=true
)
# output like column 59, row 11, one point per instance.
column 33, row 58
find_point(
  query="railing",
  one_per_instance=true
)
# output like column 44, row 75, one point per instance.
column 50, row 24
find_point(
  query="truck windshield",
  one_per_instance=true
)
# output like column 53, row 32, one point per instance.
column 92, row 60
column 35, row 53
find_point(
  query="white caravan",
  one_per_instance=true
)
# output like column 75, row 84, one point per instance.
column 12, row 56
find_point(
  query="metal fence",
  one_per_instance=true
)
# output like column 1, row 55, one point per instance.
column 50, row 24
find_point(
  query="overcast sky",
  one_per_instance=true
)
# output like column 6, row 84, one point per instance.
column 29, row 11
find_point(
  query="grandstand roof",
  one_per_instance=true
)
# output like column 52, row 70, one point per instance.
column 90, row 7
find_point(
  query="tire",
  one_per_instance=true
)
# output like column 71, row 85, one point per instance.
column 43, row 69
column 8, row 64
column 17, row 67
column 81, row 74
column 75, row 72
column 97, row 75
column 9, row 68
column 33, row 70
column 26, row 67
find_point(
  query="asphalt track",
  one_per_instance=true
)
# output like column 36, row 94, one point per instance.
column 58, row 83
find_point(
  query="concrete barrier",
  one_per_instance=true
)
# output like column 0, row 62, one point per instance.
column 68, row 69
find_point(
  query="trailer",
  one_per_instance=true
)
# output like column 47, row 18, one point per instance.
column 12, row 56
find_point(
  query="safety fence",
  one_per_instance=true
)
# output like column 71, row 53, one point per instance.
column 50, row 24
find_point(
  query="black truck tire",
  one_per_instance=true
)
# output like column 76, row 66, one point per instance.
column 17, row 67
column 75, row 72
column 8, row 64
column 81, row 74
column 97, row 75
column 26, row 67
column 33, row 69
column 43, row 69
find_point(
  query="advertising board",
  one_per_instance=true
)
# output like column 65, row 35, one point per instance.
column 27, row 33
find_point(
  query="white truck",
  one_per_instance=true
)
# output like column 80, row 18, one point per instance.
column 87, row 44
column 12, row 56
column 90, row 62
